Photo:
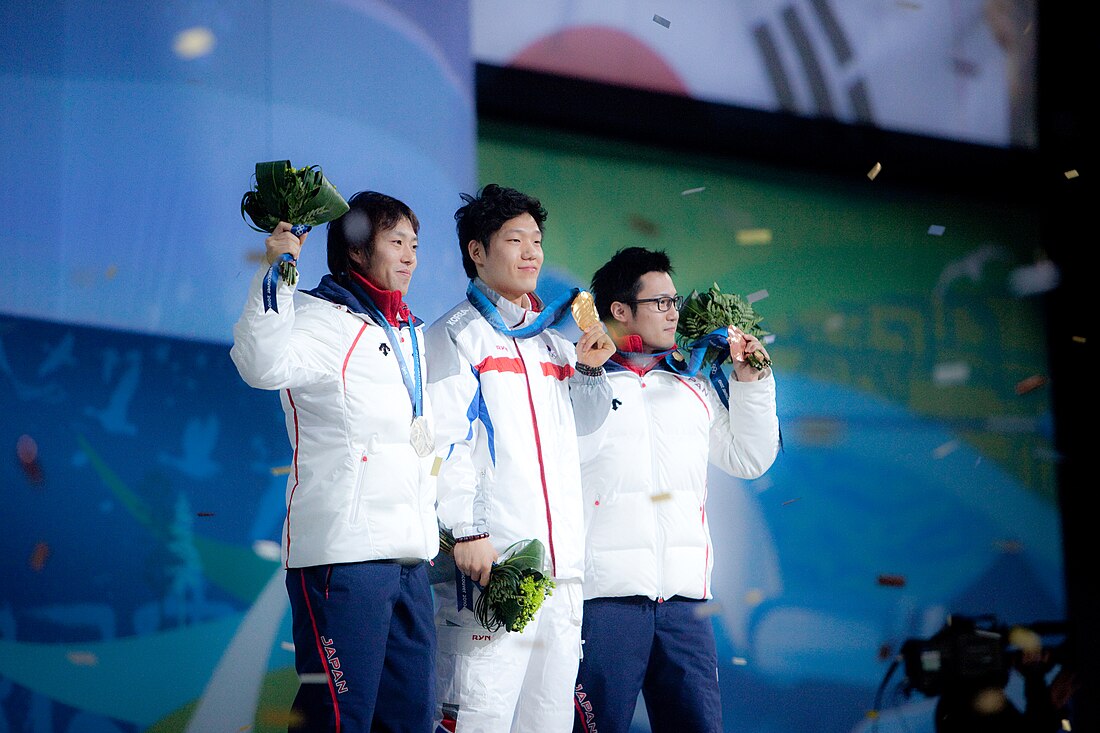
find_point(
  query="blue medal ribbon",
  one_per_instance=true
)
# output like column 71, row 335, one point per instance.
column 413, row 382
column 550, row 315
column 697, row 350
column 271, row 279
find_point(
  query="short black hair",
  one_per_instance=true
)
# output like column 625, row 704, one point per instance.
column 620, row 278
column 368, row 212
column 483, row 214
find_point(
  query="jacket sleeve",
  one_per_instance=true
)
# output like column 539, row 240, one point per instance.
column 455, row 394
column 275, row 350
column 591, row 398
column 744, row 440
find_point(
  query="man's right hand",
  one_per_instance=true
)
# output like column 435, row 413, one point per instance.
column 476, row 558
column 281, row 242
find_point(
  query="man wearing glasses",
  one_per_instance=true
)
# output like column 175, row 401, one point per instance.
column 648, row 554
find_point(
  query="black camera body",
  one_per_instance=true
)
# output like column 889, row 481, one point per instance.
column 967, row 654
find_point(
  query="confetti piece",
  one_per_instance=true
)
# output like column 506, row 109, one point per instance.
column 834, row 323
column 39, row 556
column 287, row 645
column 747, row 237
column 267, row 549
column 1025, row 639
column 436, row 465
column 768, row 339
column 872, row 714
column 885, row 651
column 946, row 449
column 112, row 271
column 990, row 701
column 1066, row 725
column 204, row 514
column 892, row 581
column 791, row 501
column 690, row 191
column 663, row 496
column 937, row 230
column 739, row 661
column 1032, row 279
column 1072, row 173
column 643, row 225
column 704, row 610
column 313, row 678
column 82, row 659
column 951, row 373
column 1030, row 384
column 26, row 449
column 194, row 43
column 662, row 21
column 280, row 470
column 758, row 295
column 1009, row 547
column 754, row 597
column 1078, row 339
column 874, row 171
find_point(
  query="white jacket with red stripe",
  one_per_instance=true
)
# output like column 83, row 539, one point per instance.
column 508, row 412
column 357, row 490
column 645, row 477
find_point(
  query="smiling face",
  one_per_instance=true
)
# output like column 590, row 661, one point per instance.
column 656, row 328
column 393, row 258
column 512, row 262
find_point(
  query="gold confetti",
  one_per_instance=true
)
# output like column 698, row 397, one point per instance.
column 436, row 465
column 872, row 714
column 690, row 191
column 791, row 501
column 268, row 550
column 39, row 556
column 1066, row 725
column 989, row 701
column 945, row 449
column 82, row 659
column 194, row 42
column 281, row 470
column 112, row 271
column 739, row 661
column 287, row 646
column 1078, row 339
column 1025, row 639
column 703, row 610
column 754, row 597
column 1072, row 173
column 1030, row 384
column 747, row 237
column 874, row 171
column 663, row 496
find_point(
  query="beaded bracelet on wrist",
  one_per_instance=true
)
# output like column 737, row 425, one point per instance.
column 472, row 537
column 589, row 371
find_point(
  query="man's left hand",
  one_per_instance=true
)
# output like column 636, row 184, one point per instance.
column 595, row 347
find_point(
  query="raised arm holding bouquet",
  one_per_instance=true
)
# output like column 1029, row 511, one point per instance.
column 302, row 197
column 712, row 328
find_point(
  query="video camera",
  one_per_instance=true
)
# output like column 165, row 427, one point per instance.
column 972, row 652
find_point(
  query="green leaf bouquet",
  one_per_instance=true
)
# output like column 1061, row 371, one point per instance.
column 301, row 196
column 703, row 313
column 517, row 585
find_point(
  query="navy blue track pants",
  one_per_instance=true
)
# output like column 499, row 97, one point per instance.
column 364, row 647
column 665, row 650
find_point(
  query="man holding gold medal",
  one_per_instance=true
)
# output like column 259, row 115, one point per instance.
column 348, row 360
column 648, row 553
column 511, row 395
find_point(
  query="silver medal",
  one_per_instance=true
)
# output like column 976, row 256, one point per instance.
column 421, row 437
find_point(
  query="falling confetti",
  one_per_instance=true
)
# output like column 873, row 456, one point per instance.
column 1009, row 547
column 82, row 659
column 690, row 191
column 754, row 597
column 194, row 42
column 112, row 271
column 945, row 449
column 703, row 610
column 287, row 645
column 1030, row 384
column 313, row 678
column 739, row 661
column 280, row 470
column 758, row 295
column 1078, row 339
column 874, row 171
column 1025, row 639
column 892, row 581
column 663, row 496
column 1032, row 279
column 39, row 556
column 791, row 501
column 937, row 230
column 26, row 450
column 267, row 549
column 747, row 237
column 436, row 465
column 204, row 514
column 662, row 21
column 1071, row 173
column 951, row 373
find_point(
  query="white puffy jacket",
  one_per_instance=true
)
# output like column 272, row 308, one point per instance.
column 645, row 477
column 507, row 430
column 357, row 490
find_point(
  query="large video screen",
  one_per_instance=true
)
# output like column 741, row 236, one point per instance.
column 961, row 70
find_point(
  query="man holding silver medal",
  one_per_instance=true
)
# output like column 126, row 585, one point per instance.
column 348, row 360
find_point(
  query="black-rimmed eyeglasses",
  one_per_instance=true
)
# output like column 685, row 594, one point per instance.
column 663, row 303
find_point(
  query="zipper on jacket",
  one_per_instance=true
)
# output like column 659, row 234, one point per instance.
column 358, row 495
column 657, row 536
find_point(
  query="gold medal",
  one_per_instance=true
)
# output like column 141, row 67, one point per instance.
column 584, row 310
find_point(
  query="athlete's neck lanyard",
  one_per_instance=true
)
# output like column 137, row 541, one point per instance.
column 550, row 315
column 413, row 382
